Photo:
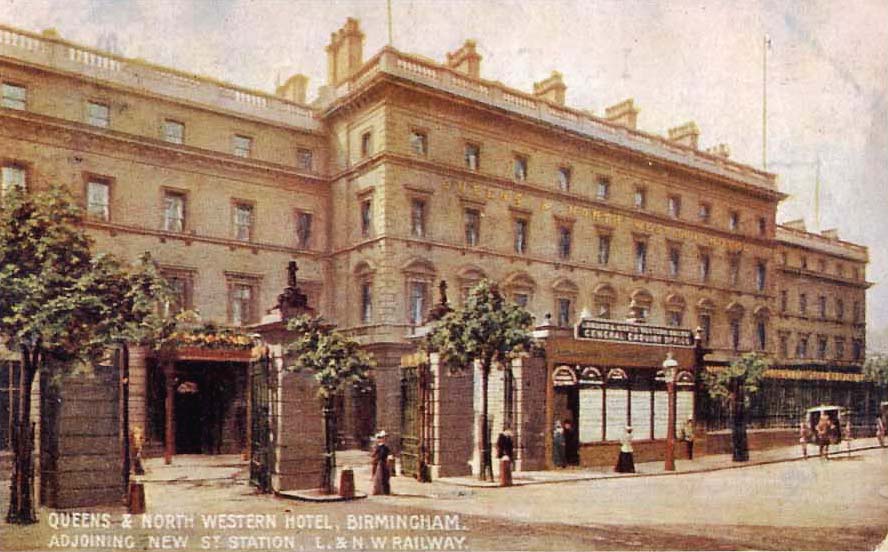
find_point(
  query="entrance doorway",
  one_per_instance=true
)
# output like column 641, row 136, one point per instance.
column 189, row 419
column 567, row 409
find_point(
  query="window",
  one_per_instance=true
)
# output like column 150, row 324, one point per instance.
column 674, row 318
column 564, row 241
column 640, row 257
column 734, row 221
column 784, row 346
column 521, row 299
column 821, row 266
column 803, row 304
column 520, row 236
column 840, row 348
column 473, row 156
column 241, row 303
column 604, row 188
column 673, row 206
column 706, row 327
column 761, row 273
column 604, row 247
column 417, row 218
column 564, row 179
column 802, row 346
column 419, row 143
column 604, row 310
column 761, row 335
column 519, row 168
column 173, row 211
column 366, row 302
column 734, row 269
column 303, row 230
column 640, row 198
column 366, row 218
column 242, row 145
column 840, row 309
column 97, row 199
column 858, row 349
column 856, row 313
column 472, row 221
column 821, row 306
column 705, row 266
column 367, row 144
column 822, row 346
column 804, row 262
column 14, row 96
column 13, row 176
column 304, row 159
column 173, row 132
column 243, row 221
column 417, row 305
column 784, row 300
column 735, row 334
column 762, row 226
column 98, row 114
column 181, row 284
column 674, row 261
column 563, row 312
column 705, row 212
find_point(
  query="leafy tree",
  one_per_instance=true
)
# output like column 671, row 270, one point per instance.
column 734, row 386
column 337, row 364
column 59, row 306
column 875, row 369
column 488, row 330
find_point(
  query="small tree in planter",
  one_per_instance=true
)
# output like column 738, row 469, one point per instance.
column 60, row 306
column 489, row 330
column 337, row 364
column 734, row 386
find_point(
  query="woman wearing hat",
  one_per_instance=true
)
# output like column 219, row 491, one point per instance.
column 380, row 467
column 626, row 462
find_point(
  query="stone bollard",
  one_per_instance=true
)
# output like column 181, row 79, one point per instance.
column 391, row 465
column 505, row 472
column 347, row 483
column 136, row 503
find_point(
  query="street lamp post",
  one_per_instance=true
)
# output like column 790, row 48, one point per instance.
column 669, row 370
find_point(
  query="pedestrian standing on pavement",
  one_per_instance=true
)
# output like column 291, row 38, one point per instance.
column 626, row 460
column 687, row 435
column 571, row 444
column 880, row 430
column 380, row 466
column 849, row 435
column 804, row 437
column 822, row 429
column 558, row 445
column 505, row 444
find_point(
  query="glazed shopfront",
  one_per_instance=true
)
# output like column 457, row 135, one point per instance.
column 610, row 375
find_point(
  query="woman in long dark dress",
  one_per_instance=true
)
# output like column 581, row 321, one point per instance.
column 380, row 467
column 626, row 461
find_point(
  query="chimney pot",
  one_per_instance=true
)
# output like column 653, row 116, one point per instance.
column 551, row 89
column 687, row 134
column 345, row 53
column 624, row 114
column 720, row 150
column 466, row 59
column 293, row 89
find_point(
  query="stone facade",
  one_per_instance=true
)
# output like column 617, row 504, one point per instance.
column 404, row 172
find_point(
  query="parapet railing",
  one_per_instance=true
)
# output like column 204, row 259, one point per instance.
column 63, row 55
column 416, row 68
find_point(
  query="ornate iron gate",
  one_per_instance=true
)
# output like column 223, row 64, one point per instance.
column 261, row 387
column 410, row 423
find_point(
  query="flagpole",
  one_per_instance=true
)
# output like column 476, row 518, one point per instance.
column 765, row 102
column 389, row 6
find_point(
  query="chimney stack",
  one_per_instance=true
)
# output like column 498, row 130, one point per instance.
column 831, row 234
column 721, row 150
column 294, row 89
column 624, row 114
column 345, row 53
column 551, row 89
column 686, row 135
column 797, row 224
column 466, row 60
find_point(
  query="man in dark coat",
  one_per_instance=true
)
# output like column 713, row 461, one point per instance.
column 505, row 444
column 380, row 467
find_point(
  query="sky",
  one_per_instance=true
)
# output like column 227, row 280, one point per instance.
column 681, row 60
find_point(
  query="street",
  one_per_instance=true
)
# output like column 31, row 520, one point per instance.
column 840, row 504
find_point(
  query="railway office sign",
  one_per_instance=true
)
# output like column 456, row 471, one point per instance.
column 637, row 334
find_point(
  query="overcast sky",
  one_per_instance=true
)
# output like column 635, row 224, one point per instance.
column 681, row 60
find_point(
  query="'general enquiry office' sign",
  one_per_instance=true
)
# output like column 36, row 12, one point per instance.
column 605, row 330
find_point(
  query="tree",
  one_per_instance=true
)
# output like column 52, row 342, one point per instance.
column 875, row 370
column 488, row 330
column 337, row 364
column 60, row 306
column 734, row 386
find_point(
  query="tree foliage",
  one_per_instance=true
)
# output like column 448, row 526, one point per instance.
column 336, row 362
column 875, row 369
column 59, row 304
